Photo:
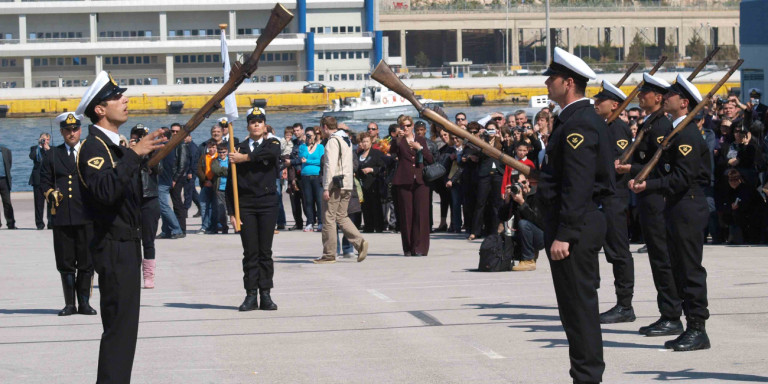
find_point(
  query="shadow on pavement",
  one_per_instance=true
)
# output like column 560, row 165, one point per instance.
column 554, row 343
column 29, row 311
column 559, row 328
column 510, row 306
column 690, row 374
column 200, row 306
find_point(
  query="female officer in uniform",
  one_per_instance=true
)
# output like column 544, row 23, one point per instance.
column 257, row 163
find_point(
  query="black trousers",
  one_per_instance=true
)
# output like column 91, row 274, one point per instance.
column 576, row 279
column 179, row 210
column 373, row 214
column 297, row 206
column 5, row 197
column 118, row 264
column 651, row 206
column 256, row 234
column 686, row 220
column 190, row 194
column 71, row 248
column 488, row 192
column 617, row 247
column 40, row 207
column 150, row 218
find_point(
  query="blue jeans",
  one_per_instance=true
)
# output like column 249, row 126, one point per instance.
column 531, row 239
column 207, row 205
column 457, row 197
column 170, row 224
column 312, row 188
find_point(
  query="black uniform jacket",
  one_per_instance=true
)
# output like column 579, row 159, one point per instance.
column 111, row 189
column 621, row 139
column 256, row 177
column 578, row 169
column 60, row 172
column 684, row 166
column 656, row 126
column 34, row 177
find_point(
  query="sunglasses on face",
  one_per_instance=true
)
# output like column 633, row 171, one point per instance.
column 474, row 132
column 524, row 182
column 175, row 130
column 461, row 118
column 498, row 118
column 373, row 129
column 407, row 125
column 634, row 117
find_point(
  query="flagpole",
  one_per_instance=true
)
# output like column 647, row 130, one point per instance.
column 232, row 165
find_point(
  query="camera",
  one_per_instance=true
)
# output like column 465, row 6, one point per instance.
column 139, row 130
column 719, row 102
column 515, row 188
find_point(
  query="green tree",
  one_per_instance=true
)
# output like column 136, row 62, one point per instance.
column 421, row 60
column 696, row 49
column 670, row 50
column 607, row 53
column 637, row 49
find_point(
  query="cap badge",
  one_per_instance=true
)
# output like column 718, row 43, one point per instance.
column 111, row 80
column 622, row 143
column 574, row 140
column 70, row 119
column 685, row 149
column 96, row 162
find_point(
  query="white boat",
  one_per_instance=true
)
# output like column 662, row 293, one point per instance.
column 376, row 102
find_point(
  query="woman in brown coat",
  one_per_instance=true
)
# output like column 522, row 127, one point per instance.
column 411, row 190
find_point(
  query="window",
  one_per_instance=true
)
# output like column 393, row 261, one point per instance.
column 320, row 77
column 130, row 60
column 357, row 29
column 123, row 60
column 286, row 57
column 335, row 29
column 350, row 29
column 312, row 29
column 335, row 55
column 216, row 58
column 366, row 54
column 343, row 55
column 292, row 56
column 270, row 57
column 343, row 29
column 193, row 59
column 343, row 76
column 320, row 56
column 177, row 59
column 328, row 55
column 33, row 36
column 359, row 55
column 201, row 32
column 36, row 62
column 327, row 30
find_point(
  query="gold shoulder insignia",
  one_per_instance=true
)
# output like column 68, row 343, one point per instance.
column 659, row 139
column 96, row 162
column 622, row 143
column 685, row 149
column 275, row 141
column 574, row 140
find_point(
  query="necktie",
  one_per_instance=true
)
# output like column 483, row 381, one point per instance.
column 72, row 155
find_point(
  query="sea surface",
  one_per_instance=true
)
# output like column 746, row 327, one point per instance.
column 19, row 134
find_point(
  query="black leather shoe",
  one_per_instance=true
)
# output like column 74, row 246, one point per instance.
column 251, row 301
column 418, row 255
column 68, row 284
column 662, row 327
column 643, row 249
column 693, row 339
column 12, row 227
column 84, row 284
column 266, row 301
column 618, row 314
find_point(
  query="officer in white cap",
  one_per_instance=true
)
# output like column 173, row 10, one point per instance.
column 576, row 177
column 72, row 228
column 109, row 174
column 224, row 124
column 615, row 208
column 684, row 173
column 257, row 160
column 650, row 205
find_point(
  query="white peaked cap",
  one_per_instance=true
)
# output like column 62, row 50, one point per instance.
column 564, row 63
column 103, row 87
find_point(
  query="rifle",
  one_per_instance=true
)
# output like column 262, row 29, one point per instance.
column 384, row 75
column 643, row 175
column 240, row 71
column 626, row 75
column 628, row 153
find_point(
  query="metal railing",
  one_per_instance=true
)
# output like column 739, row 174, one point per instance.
column 131, row 38
column 60, row 40
column 515, row 6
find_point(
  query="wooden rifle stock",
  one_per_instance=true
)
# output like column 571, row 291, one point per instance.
column 626, row 74
column 624, row 159
column 643, row 175
column 277, row 22
column 384, row 75
column 233, row 167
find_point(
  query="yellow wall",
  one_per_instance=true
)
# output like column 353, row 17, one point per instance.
column 278, row 101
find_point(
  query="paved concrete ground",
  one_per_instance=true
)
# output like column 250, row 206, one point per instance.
column 389, row 319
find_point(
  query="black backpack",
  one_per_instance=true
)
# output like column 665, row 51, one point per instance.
column 492, row 255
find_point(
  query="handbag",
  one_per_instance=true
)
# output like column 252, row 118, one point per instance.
column 433, row 171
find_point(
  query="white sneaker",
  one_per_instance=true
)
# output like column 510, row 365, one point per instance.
column 308, row 228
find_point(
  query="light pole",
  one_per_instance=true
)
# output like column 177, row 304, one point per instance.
column 549, row 51
column 506, row 41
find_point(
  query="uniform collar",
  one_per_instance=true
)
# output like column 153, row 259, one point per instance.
column 678, row 121
column 112, row 136
column 76, row 148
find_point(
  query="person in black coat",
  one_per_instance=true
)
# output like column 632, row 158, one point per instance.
column 109, row 177
column 575, row 178
column 257, row 160
column 37, row 154
column 190, row 192
column 446, row 156
column 684, row 171
column 72, row 229
column 615, row 208
column 487, row 191
column 6, row 162
column 371, row 172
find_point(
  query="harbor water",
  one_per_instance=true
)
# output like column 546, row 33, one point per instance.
column 19, row 134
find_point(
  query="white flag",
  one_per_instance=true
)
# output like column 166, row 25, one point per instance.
column 230, row 102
